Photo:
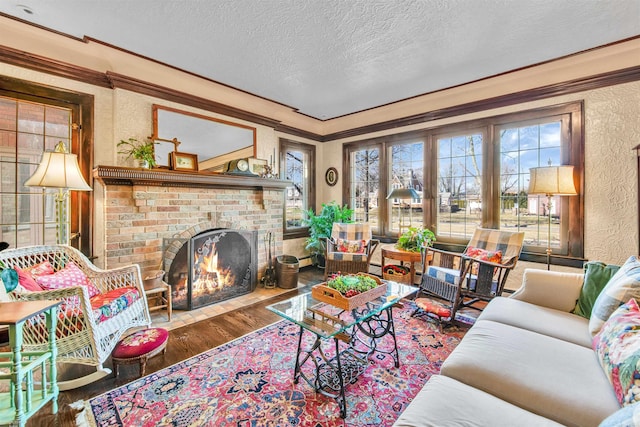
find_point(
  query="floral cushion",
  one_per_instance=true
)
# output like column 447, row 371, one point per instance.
column 351, row 246
column 107, row 305
column 484, row 255
column 625, row 284
column 69, row 276
column 617, row 346
column 140, row 343
column 433, row 307
column 42, row 269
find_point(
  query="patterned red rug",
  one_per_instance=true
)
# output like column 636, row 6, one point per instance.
column 249, row 383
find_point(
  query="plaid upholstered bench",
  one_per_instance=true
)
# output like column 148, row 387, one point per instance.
column 138, row 348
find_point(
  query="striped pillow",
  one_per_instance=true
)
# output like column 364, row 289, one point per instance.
column 623, row 286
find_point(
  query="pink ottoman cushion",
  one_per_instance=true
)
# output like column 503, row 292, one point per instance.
column 140, row 343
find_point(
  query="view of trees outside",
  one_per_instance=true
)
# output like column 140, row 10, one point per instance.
column 406, row 171
column 26, row 130
column 459, row 185
column 522, row 148
column 295, row 171
column 365, row 186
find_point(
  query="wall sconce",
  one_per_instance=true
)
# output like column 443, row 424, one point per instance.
column 403, row 194
column 551, row 181
column 59, row 169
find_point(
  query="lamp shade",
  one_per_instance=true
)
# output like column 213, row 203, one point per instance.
column 58, row 169
column 403, row 194
column 552, row 180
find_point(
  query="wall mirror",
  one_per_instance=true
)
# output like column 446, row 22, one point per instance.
column 214, row 141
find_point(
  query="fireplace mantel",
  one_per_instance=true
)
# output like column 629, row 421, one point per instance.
column 116, row 175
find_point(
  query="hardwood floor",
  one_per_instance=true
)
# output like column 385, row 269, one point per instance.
column 184, row 342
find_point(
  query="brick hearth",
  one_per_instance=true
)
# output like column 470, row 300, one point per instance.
column 141, row 208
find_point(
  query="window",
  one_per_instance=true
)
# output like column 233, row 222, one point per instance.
column 364, row 186
column 33, row 119
column 474, row 174
column 298, row 166
column 460, row 182
column 406, row 171
column 522, row 147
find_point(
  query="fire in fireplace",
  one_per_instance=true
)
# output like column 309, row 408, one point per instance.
column 213, row 266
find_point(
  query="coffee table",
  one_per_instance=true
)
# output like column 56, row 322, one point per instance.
column 359, row 330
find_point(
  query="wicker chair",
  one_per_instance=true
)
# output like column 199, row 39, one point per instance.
column 462, row 279
column 349, row 249
column 80, row 337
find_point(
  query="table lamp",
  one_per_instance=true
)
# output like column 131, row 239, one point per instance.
column 59, row 169
column 551, row 181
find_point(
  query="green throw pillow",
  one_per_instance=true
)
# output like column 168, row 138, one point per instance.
column 596, row 276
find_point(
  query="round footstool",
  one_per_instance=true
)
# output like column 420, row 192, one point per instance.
column 138, row 347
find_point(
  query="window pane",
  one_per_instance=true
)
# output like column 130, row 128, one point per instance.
column 297, row 171
column 459, row 185
column 406, row 171
column 522, row 148
column 365, row 186
column 28, row 214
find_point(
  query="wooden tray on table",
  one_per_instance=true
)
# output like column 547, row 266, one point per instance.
column 323, row 293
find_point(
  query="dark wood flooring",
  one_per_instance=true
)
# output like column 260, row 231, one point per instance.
column 184, row 342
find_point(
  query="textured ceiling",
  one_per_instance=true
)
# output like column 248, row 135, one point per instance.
column 329, row 58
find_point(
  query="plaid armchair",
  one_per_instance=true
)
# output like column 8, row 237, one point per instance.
column 349, row 249
column 462, row 279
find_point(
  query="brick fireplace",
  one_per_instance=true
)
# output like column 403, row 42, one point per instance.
column 142, row 208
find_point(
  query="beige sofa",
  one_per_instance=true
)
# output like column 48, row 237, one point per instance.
column 527, row 361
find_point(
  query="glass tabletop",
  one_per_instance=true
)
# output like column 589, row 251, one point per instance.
column 326, row 320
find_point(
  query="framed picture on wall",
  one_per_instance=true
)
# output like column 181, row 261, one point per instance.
column 331, row 176
column 184, row 161
column 257, row 166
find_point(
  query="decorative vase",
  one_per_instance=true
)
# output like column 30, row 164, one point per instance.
column 143, row 164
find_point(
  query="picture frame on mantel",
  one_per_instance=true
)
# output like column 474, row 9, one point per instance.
column 257, row 166
column 184, row 161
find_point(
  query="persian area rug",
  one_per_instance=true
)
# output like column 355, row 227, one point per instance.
column 249, row 383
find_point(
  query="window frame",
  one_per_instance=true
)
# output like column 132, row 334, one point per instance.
column 572, row 150
column 310, row 151
column 81, row 105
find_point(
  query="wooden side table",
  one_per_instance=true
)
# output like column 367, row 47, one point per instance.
column 23, row 399
column 159, row 298
column 402, row 256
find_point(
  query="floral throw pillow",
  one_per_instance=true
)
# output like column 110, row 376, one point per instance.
column 351, row 246
column 624, row 285
column 69, row 276
column 617, row 346
column 484, row 255
column 42, row 269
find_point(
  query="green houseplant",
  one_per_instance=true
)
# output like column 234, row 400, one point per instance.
column 320, row 228
column 414, row 238
column 141, row 151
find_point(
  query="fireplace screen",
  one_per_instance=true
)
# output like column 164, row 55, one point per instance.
column 213, row 266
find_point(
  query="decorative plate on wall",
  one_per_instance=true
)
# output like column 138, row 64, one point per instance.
column 331, row 176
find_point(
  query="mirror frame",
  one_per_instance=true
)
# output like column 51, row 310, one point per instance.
column 214, row 163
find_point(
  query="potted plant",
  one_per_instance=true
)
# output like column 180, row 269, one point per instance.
column 141, row 151
column 320, row 228
column 414, row 238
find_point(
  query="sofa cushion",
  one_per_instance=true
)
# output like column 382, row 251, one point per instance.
column 351, row 246
column 27, row 281
column 618, row 348
column 596, row 276
column 544, row 375
column 629, row 416
column 69, row 276
column 543, row 320
column 445, row 402
column 623, row 286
